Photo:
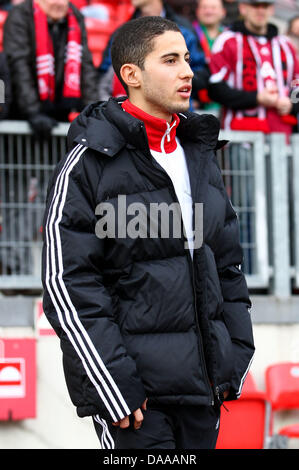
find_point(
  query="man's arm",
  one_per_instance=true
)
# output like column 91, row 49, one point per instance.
column 101, row 377
column 294, row 91
column 229, row 97
column 20, row 56
column 236, row 316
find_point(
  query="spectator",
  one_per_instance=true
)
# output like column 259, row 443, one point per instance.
column 5, row 95
column 46, row 88
column 252, row 73
column 293, row 32
column 110, row 86
column 210, row 14
column 186, row 8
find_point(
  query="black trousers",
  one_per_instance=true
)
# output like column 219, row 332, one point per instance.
column 164, row 427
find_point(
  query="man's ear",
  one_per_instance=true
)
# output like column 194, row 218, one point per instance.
column 130, row 73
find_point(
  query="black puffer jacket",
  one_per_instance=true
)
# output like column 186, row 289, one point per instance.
column 20, row 46
column 137, row 317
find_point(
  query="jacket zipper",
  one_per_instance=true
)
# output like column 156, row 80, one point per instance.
column 206, row 377
column 167, row 132
column 201, row 351
column 200, row 335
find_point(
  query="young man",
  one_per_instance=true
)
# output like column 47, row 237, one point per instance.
column 253, row 70
column 153, row 320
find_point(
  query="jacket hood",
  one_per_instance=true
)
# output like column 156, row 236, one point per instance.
column 239, row 27
column 104, row 127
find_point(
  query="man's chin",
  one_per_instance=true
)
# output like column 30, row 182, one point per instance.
column 180, row 107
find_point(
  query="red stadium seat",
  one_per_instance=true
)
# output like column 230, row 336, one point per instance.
column 124, row 11
column 282, row 387
column 99, row 31
column 98, row 34
column 246, row 423
column 3, row 16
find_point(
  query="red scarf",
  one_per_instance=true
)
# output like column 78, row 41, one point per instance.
column 155, row 128
column 45, row 63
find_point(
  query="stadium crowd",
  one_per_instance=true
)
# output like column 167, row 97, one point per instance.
column 245, row 69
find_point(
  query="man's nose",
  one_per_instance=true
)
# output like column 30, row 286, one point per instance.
column 186, row 71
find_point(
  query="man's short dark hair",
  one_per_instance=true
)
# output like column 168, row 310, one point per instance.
column 134, row 40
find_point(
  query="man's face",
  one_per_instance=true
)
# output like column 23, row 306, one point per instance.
column 295, row 28
column 166, row 80
column 210, row 12
column 54, row 9
column 257, row 15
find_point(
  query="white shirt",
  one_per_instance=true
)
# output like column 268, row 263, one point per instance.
column 174, row 164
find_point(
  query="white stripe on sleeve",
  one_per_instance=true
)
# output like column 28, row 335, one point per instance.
column 67, row 314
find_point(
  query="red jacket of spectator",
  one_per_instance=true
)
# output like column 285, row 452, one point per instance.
column 242, row 65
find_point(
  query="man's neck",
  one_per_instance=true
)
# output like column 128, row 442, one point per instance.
column 161, row 134
column 152, row 110
column 212, row 30
column 258, row 30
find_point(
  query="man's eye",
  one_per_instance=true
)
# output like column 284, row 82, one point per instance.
column 188, row 60
column 170, row 61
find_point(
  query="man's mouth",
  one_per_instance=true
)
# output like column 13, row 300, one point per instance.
column 185, row 91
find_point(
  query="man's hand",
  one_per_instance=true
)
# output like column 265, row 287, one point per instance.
column 138, row 415
column 284, row 105
column 225, row 394
column 268, row 98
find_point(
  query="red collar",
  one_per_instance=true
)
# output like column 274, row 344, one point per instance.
column 160, row 134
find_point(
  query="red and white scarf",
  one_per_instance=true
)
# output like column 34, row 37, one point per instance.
column 45, row 63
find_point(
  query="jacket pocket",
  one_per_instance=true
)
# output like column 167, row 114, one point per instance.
column 223, row 351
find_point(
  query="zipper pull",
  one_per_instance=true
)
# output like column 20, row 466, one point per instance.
column 226, row 409
column 219, row 399
column 169, row 129
column 168, row 132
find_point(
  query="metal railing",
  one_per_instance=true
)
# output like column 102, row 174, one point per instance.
column 261, row 176
column 25, row 168
column 244, row 172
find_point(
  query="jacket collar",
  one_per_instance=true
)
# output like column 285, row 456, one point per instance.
column 104, row 127
column 239, row 26
column 161, row 135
